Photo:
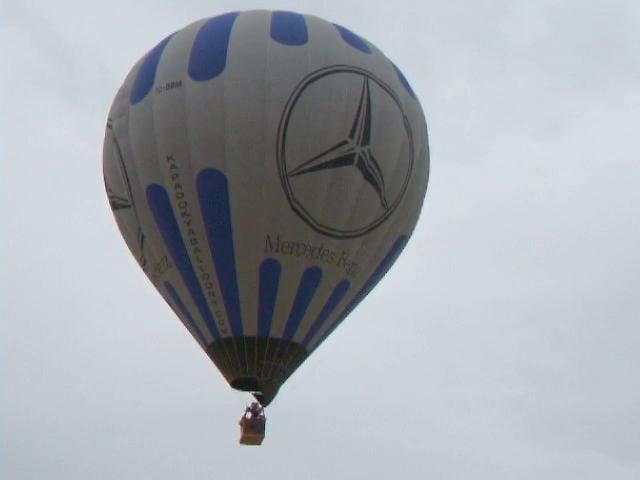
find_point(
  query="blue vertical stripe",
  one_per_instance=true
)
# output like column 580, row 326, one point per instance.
column 371, row 282
column 213, row 192
column 306, row 290
column 269, row 280
column 209, row 51
column 404, row 81
column 166, row 221
column 334, row 299
column 289, row 28
column 183, row 313
column 352, row 39
column 146, row 75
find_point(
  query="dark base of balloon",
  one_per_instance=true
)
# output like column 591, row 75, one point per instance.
column 257, row 364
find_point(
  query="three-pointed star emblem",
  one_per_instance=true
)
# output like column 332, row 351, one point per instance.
column 352, row 151
column 117, row 202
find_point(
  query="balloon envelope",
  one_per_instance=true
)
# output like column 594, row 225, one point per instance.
column 265, row 169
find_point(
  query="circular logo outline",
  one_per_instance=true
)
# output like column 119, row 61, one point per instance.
column 289, row 107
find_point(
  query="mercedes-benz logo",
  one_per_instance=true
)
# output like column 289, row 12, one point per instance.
column 345, row 151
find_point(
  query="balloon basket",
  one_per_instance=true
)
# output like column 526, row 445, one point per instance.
column 252, row 425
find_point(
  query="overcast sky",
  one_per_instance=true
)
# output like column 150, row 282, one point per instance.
column 504, row 342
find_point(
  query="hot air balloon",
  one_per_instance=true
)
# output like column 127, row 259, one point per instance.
column 265, row 169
